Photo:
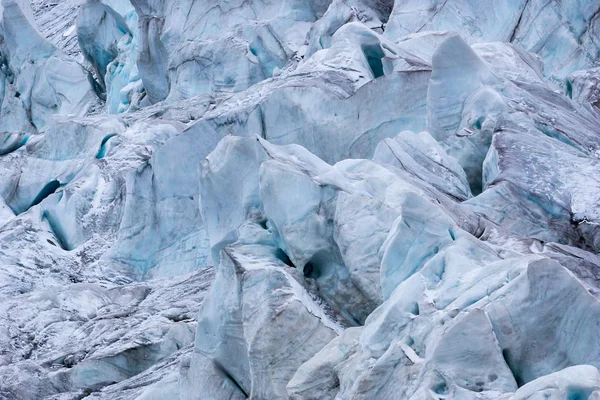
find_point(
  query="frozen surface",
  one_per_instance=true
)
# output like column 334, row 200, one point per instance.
column 564, row 34
column 290, row 199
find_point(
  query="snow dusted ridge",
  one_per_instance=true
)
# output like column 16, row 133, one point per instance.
column 299, row 199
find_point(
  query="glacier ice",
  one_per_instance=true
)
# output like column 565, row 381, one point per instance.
column 181, row 43
column 39, row 80
column 240, row 348
column 99, row 29
column 464, row 113
column 95, row 335
column 422, row 156
column 563, row 197
column 285, row 199
column 372, row 14
column 564, row 33
column 581, row 86
column 405, row 344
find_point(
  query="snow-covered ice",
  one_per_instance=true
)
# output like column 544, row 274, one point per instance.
column 291, row 199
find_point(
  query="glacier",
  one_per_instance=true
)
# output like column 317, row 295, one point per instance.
column 292, row 199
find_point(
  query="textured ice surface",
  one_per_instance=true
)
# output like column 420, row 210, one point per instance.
column 564, row 34
column 289, row 199
column 38, row 80
column 88, row 335
column 99, row 29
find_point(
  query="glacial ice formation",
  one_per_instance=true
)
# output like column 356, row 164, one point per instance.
column 38, row 80
column 291, row 199
column 99, row 29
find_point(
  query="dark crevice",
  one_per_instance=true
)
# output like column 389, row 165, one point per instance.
column 263, row 125
column 374, row 54
column 46, row 191
column 315, row 267
column 97, row 87
column 479, row 123
column 322, row 269
column 284, row 258
column 452, row 234
column 415, row 309
column 579, row 238
column 440, row 386
column 29, row 114
column 58, row 234
column 228, row 376
column 513, row 368
column 476, row 186
column 15, row 145
column 480, row 230
column 309, row 270
column 102, row 151
column 178, row 318
column 513, row 34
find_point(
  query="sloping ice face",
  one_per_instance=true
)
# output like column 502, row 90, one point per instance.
column 291, row 199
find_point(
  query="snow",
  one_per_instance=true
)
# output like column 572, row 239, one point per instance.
column 290, row 199
column 70, row 31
